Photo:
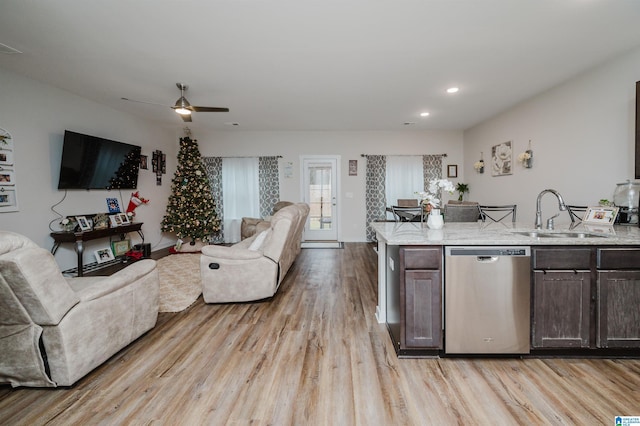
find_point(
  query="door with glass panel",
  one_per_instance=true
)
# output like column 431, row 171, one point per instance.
column 320, row 190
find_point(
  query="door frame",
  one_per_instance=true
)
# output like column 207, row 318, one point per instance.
column 338, row 213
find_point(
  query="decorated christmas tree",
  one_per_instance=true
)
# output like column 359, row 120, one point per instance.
column 191, row 209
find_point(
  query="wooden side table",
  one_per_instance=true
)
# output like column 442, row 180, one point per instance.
column 80, row 237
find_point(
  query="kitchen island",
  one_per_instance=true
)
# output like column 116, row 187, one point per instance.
column 584, row 284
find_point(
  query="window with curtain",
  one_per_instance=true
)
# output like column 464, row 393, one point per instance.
column 240, row 194
column 401, row 182
column 404, row 176
column 242, row 187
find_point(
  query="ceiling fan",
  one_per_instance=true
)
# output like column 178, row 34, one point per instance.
column 182, row 105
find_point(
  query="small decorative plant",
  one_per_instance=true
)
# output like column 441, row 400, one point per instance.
column 462, row 188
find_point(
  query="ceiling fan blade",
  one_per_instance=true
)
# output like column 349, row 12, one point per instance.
column 207, row 109
column 143, row 102
column 186, row 118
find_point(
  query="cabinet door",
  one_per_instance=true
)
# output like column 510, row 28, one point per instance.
column 561, row 307
column 618, row 309
column 423, row 312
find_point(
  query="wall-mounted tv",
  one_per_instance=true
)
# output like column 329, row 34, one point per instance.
column 90, row 162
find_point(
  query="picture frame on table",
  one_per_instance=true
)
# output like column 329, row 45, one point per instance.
column 600, row 215
column 124, row 218
column 104, row 255
column 83, row 223
column 115, row 220
column 120, row 248
column 113, row 205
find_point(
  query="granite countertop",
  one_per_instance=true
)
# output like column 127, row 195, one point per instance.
column 504, row 233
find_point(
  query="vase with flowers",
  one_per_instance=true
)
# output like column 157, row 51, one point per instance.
column 430, row 200
column 479, row 165
column 526, row 158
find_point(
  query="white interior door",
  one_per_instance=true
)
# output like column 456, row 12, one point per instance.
column 320, row 191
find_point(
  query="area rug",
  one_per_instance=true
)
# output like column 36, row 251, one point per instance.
column 180, row 283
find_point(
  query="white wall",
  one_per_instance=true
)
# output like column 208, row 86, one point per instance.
column 349, row 145
column 582, row 135
column 37, row 115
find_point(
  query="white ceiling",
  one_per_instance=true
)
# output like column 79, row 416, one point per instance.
column 312, row 64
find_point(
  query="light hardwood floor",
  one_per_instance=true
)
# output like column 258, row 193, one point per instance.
column 315, row 355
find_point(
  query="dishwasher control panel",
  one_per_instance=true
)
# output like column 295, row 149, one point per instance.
column 488, row 251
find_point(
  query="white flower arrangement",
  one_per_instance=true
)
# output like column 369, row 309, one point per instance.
column 478, row 165
column 524, row 156
column 430, row 197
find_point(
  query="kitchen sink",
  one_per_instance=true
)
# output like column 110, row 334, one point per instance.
column 560, row 234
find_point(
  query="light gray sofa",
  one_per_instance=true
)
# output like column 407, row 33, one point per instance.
column 54, row 330
column 253, row 225
column 254, row 268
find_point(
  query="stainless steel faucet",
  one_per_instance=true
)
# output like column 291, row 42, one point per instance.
column 561, row 203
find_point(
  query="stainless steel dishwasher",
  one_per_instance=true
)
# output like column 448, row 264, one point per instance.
column 487, row 294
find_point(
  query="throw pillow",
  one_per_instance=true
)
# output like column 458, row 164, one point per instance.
column 257, row 243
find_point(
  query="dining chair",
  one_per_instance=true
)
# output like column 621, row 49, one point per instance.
column 407, row 214
column 407, row 202
column 461, row 212
column 498, row 213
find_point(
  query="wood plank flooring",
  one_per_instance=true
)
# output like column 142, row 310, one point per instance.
column 315, row 355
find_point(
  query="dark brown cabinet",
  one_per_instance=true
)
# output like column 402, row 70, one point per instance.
column 421, row 291
column 618, row 298
column 561, row 297
column 414, row 298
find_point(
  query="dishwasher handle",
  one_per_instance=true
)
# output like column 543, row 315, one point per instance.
column 487, row 259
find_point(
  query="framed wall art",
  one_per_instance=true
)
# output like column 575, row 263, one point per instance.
column 452, row 170
column 501, row 159
column 8, row 187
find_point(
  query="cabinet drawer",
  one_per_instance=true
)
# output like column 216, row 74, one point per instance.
column 561, row 258
column 618, row 258
column 421, row 257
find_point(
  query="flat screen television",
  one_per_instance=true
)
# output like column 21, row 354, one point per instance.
column 90, row 162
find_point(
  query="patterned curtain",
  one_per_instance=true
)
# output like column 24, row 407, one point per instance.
column 213, row 169
column 375, row 202
column 269, row 181
column 432, row 169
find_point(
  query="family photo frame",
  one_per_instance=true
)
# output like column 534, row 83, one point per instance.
column 119, row 219
column 104, row 255
column 600, row 215
column 83, row 223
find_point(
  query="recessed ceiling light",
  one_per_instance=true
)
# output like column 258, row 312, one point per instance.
column 452, row 90
column 424, row 114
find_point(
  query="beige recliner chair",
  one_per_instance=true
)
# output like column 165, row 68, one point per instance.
column 254, row 268
column 54, row 330
column 253, row 225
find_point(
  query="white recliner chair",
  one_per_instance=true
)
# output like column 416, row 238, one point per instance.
column 54, row 330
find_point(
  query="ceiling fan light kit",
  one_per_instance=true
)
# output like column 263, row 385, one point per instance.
column 183, row 107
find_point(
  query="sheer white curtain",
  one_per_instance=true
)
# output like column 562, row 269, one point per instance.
column 240, row 193
column 404, row 176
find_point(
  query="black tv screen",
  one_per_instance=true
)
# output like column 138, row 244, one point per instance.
column 90, row 162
